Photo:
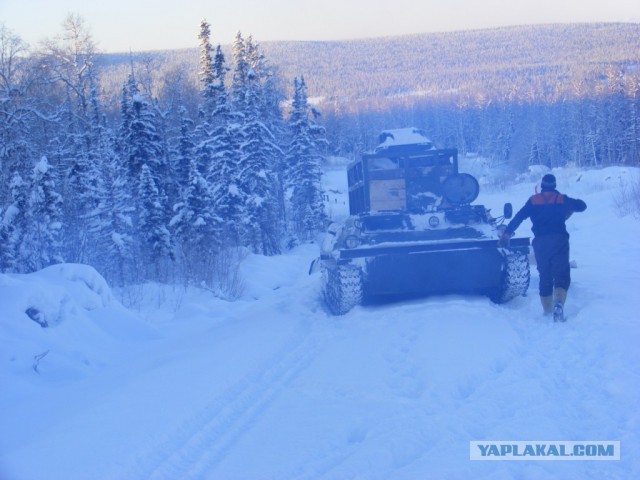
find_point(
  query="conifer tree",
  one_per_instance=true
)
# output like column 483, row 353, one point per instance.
column 155, row 239
column 118, row 229
column 14, row 225
column 143, row 141
column 129, row 88
column 206, row 74
column 219, row 73
column 84, row 188
column 98, row 197
column 259, row 185
column 144, row 147
column 193, row 219
column 185, row 152
column 223, row 172
column 196, row 226
column 41, row 244
column 204, row 148
column 239, row 82
column 7, row 258
column 304, row 172
column 73, row 155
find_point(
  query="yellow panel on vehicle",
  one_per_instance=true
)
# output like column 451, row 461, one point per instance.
column 388, row 195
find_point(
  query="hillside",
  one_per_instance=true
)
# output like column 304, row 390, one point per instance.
column 527, row 60
column 432, row 64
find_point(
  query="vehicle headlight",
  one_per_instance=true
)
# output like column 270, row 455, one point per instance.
column 352, row 241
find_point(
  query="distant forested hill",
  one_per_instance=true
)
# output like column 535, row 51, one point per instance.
column 525, row 62
column 531, row 60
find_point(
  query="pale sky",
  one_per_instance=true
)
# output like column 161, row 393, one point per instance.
column 123, row 25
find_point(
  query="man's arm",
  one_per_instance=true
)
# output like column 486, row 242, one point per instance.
column 523, row 214
column 575, row 205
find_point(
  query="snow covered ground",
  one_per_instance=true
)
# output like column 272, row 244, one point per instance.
column 186, row 386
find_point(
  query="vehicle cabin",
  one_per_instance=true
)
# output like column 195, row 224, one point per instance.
column 405, row 178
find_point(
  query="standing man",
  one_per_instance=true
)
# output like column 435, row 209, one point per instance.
column 548, row 211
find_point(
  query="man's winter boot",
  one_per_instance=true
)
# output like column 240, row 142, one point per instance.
column 558, row 313
column 547, row 304
column 559, row 297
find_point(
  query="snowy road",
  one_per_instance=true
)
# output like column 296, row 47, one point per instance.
column 399, row 390
column 273, row 387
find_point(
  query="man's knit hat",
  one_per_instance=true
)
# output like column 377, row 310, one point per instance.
column 548, row 182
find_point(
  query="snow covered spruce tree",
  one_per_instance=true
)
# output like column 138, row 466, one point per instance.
column 41, row 244
column 110, row 221
column 154, row 237
column 303, row 159
column 240, row 74
column 85, row 191
column 259, row 184
column 194, row 222
column 271, row 98
column 261, row 158
column 142, row 142
column 7, row 258
column 223, row 174
column 14, row 225
column 184, row 152
column 203, row 142
column 116, row 226
column 206, row 73
column 148, row 173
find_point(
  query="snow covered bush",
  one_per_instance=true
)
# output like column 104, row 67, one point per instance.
column 226, row 272
column 627, row 198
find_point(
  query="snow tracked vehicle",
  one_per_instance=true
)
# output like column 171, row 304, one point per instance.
column 412, row 230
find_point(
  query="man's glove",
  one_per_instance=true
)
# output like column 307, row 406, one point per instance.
column 505, row 238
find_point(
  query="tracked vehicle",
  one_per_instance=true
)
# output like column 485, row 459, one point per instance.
column 413, row 230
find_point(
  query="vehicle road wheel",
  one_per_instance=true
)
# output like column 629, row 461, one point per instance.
column 515, row 278
column 342, row 288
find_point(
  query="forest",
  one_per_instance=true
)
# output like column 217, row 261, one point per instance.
column 160, row 189
column 168, row 165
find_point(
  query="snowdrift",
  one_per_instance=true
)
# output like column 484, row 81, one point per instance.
column 62, row 320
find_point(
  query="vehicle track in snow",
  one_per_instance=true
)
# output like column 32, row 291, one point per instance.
column 545, row 351
column 194, row 449
column 423, row 413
